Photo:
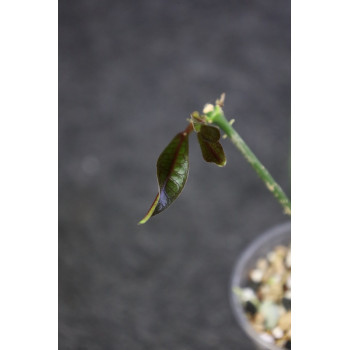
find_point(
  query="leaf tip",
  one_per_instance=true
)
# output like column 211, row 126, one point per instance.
column 143, row 221
column 150, row 211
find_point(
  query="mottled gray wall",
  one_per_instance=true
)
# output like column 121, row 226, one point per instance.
column 130, row 72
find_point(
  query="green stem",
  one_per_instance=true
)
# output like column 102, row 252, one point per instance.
column 218, row 118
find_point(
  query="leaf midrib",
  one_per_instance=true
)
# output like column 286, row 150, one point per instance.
column 183, row 136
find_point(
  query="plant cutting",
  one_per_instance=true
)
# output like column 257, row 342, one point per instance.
column 172, row 173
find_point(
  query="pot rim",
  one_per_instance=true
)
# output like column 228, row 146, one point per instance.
column 241, row 262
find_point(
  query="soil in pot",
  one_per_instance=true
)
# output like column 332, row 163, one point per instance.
column 266, row 297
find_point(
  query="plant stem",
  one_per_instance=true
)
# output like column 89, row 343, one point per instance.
column 189, row 129
column 217, row 117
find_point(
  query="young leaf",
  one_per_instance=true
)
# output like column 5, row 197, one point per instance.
column 210, row 133
column 208, row 138
column 212, row 152
column 197, row 121
column 172, row 172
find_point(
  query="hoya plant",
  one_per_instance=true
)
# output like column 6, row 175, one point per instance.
column 173, row 162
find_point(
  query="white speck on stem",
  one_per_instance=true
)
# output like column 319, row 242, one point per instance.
column 208, row 108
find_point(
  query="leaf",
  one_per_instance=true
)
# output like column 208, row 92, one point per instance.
column 212, row 152
column 210, row 133
column 151, row 210
column 208, row 137
column 172, row 172
column 197, row 121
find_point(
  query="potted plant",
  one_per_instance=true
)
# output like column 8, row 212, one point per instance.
column 261, row 281
column 260, row 289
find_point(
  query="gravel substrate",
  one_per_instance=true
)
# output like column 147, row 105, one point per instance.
column 267, row 297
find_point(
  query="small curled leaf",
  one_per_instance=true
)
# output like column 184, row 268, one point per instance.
column 212, row 152
column 210, row 133
column 208, row 137
column 197, row 121
column 172, row 172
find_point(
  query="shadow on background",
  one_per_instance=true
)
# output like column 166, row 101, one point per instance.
column 130, row 72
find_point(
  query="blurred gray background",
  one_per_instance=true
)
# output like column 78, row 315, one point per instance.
column 130, row 72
